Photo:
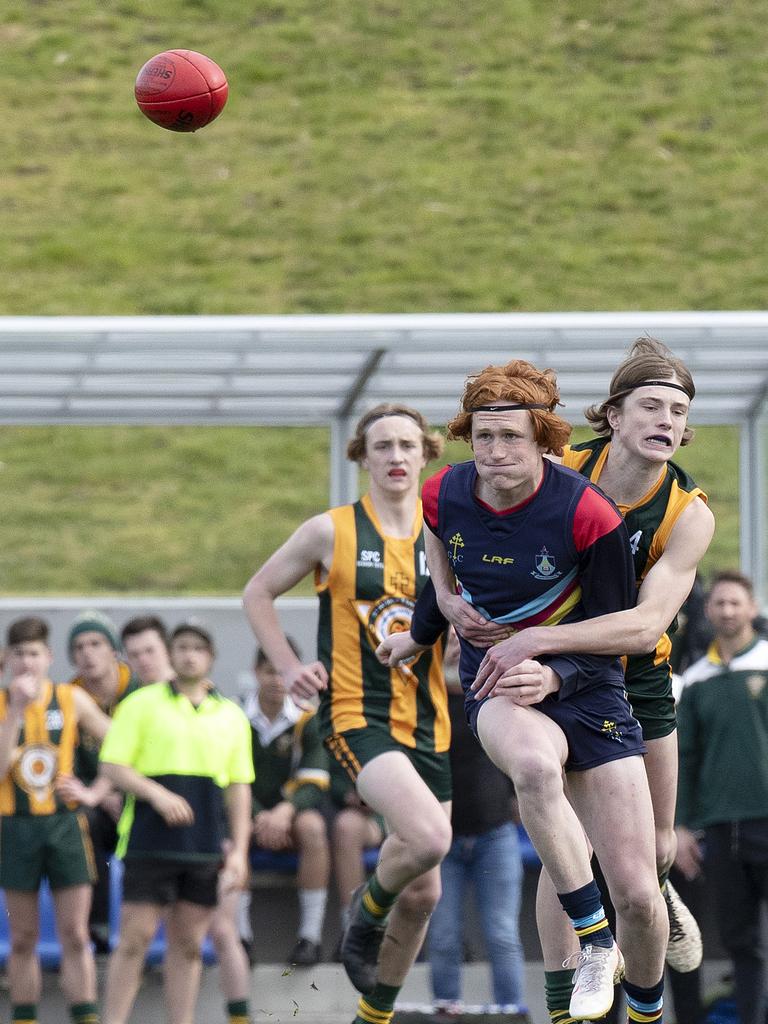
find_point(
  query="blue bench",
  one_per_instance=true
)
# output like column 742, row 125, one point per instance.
column 285, row 862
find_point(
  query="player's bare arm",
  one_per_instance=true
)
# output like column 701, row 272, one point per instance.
column 633, row 631
column 234, row 874
column 308, row 549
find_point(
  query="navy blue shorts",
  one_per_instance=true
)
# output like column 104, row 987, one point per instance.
column 598, row 724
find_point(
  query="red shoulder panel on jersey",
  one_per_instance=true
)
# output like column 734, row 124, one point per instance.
column 594, row 517
column 430, row 491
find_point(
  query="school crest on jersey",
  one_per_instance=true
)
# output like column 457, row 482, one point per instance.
column 35, row 769
column 386, row 616
column 545, row 567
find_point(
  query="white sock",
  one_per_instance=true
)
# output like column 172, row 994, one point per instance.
column 311, row 913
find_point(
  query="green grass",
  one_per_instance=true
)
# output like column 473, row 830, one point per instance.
column 375, row 157
column 388, row 156
column 195, row 511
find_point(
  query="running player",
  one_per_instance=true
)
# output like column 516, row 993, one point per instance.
column 41, row 834
column 529, row 541
column 389, row 728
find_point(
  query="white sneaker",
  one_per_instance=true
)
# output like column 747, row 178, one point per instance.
column 598, row 969
column 684, row 950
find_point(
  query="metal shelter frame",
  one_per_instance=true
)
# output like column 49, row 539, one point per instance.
column 326, row 370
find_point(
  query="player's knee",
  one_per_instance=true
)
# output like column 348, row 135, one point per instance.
column 347, row 829
column 309, row 829
column 640, row 902
column 73, row 936
column 537, row 776
column 434, row 844
column 23, row 941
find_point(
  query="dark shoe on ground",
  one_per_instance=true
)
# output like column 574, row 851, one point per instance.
column 305, row 953
column 360, row 946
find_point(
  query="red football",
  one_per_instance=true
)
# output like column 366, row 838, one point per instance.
column 181, row 90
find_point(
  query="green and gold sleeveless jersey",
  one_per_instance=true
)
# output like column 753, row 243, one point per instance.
column 87, row 752
column 45, row 750
column 370, row 592
column 649, row 523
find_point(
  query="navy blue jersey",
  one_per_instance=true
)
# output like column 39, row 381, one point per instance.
column 562, row 555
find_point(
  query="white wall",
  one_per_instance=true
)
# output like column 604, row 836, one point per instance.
column 224, row 617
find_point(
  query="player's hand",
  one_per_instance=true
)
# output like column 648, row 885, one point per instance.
column 71, row 789
column 469, row 623
column 525, row 684
column 22, row 691
column 305, row 682
column 234, row 873
column 504, row 655
column 173, row 809
column 690, row 856
column 398, row 647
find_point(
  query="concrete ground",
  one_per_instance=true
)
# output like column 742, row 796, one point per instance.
column 320, row 995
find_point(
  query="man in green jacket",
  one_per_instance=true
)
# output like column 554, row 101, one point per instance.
column 723, row 781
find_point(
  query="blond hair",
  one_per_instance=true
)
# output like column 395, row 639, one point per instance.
column 432, row 442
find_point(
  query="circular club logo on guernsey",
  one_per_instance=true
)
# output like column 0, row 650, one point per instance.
column 35, row 769
column 157, row 76
column 386, row 616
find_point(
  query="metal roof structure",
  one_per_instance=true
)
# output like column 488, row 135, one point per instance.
column 321, row 370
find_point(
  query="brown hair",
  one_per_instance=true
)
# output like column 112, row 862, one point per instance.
column 648, row 359
column 517, row 381
column 141, row 623
column 26, row 631
column 732, row 576
column 432, row 442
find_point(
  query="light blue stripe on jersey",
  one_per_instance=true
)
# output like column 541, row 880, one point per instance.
column 538, row 604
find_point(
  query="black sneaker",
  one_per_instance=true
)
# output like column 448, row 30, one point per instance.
column 305, row 954
column 360, row 946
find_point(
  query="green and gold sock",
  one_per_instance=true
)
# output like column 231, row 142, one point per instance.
column 377, row 902
column 379, row 1006
column 558, row 986
column 238, row 1011
column 84, row 1013
column 24, row 1013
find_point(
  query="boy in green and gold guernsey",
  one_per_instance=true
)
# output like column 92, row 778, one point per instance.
column 182, row 752
column 389, row 728
column 41, row 835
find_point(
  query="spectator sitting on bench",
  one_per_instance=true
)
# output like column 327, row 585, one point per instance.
column 291, row 767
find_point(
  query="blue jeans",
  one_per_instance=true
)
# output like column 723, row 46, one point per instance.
column 491, row 862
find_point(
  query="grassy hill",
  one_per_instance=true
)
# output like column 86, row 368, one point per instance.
column 190, row 511
column 385, row 156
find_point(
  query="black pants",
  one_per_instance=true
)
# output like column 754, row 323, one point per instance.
column 103, row 829
column 737, row 869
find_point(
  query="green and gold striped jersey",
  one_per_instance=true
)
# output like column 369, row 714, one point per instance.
column 649, row 523
column 44, row 751
column 370, row 592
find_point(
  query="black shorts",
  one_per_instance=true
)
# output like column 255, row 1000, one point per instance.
column 163, row 880
column 598, row 724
